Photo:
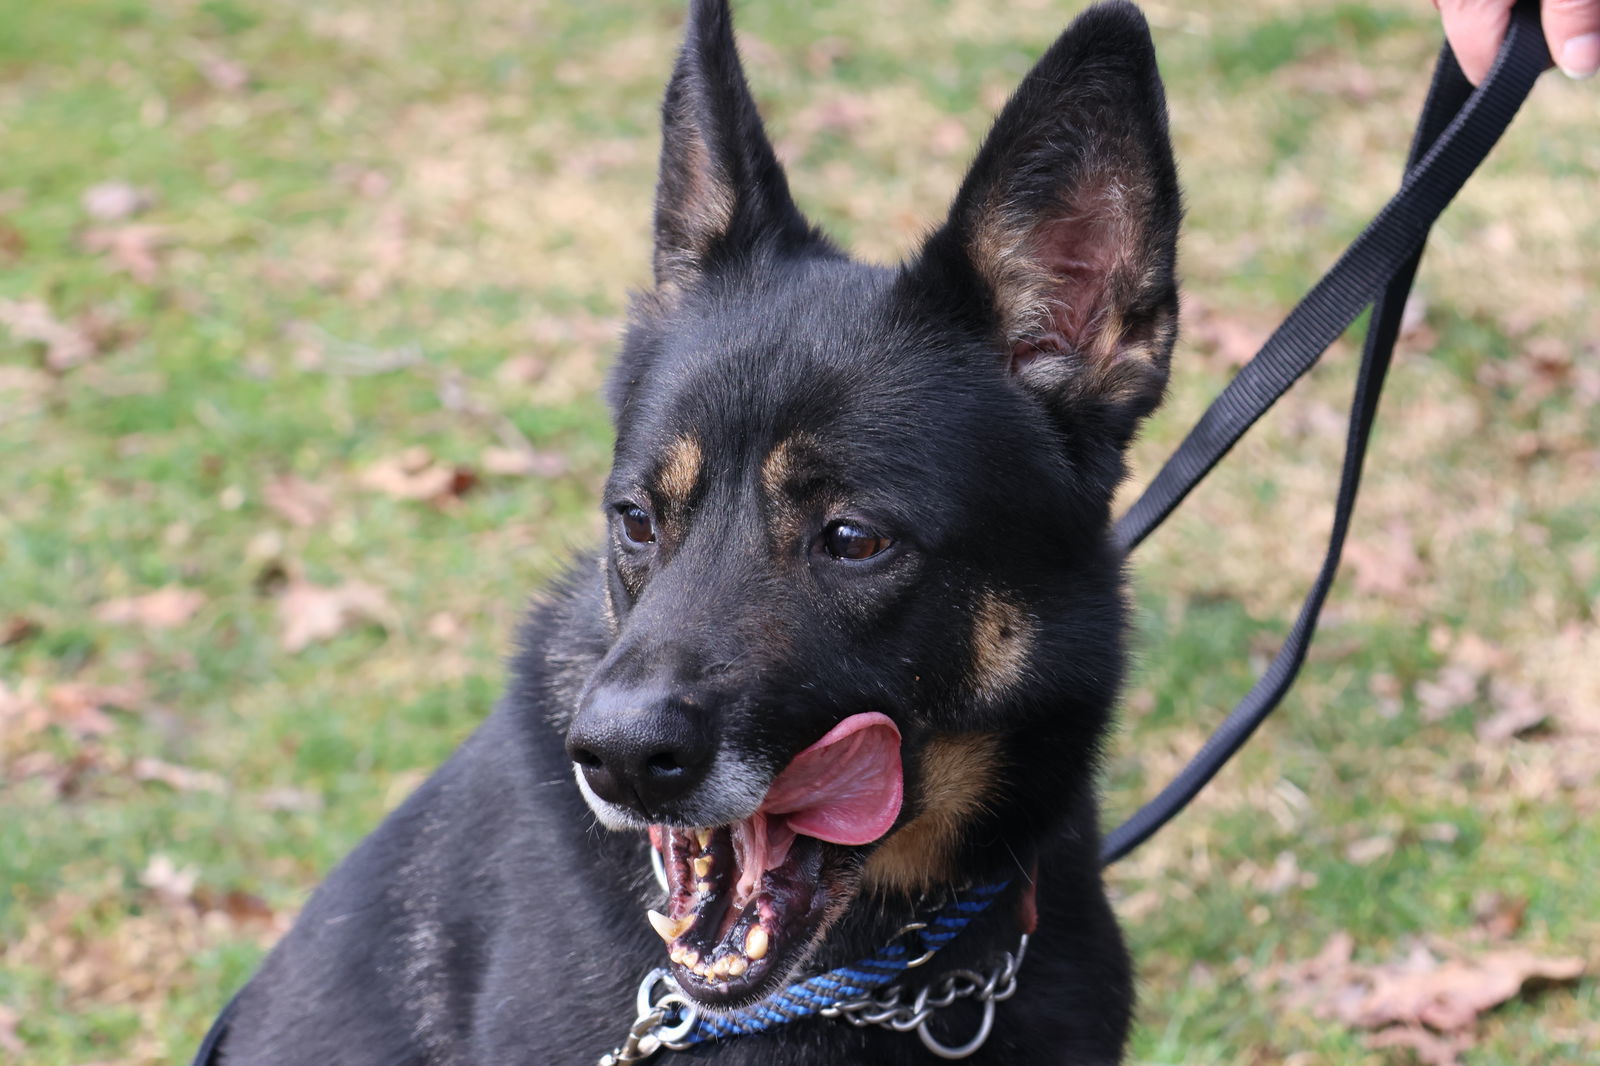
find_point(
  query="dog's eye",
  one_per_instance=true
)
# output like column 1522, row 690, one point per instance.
column 846, row 540
column 636, row 525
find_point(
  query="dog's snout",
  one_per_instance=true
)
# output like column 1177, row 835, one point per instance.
column 639, row 748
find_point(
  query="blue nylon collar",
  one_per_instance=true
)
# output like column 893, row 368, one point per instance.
column 815, row 994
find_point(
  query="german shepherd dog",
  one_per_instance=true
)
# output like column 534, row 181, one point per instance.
column 851, row 646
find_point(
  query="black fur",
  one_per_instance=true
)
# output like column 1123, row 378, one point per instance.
column 973, row 405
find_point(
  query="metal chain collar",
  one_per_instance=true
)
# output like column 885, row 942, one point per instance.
column 887, row 1009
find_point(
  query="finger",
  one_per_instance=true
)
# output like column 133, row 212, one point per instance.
column 1475, row 29
column 1572, row 28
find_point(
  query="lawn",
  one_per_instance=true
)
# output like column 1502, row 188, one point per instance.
column 302, row 311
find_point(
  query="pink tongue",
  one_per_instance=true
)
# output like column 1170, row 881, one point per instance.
column 846, row 788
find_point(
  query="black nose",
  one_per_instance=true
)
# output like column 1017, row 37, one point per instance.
column 640, row 748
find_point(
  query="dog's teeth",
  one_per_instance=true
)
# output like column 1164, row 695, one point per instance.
column 677, row 954
column 669, row 929
column 702, row 837
column 737, row 966
column 691, row 959
column 719, row 969
column 755, row 942
column 702, row 866
column 703, row 887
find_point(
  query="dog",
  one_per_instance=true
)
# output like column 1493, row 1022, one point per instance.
column 851, row 646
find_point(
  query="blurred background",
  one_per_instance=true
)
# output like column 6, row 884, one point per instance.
column 303, row 307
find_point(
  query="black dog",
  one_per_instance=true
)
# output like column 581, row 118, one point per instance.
column 850, row 653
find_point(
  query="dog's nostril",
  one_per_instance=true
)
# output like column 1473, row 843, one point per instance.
column 586, row 758
column 663, row 763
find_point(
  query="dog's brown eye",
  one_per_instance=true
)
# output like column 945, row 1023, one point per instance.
column 845, row 540
column 636, row 525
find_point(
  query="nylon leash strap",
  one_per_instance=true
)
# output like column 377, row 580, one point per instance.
column 1458, row 127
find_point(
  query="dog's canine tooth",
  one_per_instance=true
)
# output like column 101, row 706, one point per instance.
column 702, row 866
column 669, row 929
column 755, row 942
column 737, row 965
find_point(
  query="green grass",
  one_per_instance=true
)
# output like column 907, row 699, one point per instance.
column 362, row 211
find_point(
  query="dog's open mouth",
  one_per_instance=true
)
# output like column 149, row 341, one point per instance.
column 746, row 901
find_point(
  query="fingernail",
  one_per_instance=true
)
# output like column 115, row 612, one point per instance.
column 1580, row 57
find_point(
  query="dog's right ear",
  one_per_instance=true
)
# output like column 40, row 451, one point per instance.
column 721, row 190
column 1061, row 243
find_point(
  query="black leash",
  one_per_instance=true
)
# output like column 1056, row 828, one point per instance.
column 1456, row 131
column 1457, row 128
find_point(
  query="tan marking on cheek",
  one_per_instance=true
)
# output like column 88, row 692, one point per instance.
column 958, row 775
column 679, row 473
column 1002, row 642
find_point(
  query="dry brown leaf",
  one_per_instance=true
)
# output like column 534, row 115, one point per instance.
column 172, row 885
column 1500, row 915
column 1421, row 993
column 415, row 474
column 523, row 462
column 112, row 201
column 65, row 346
column 1431, row 1049
column 1384, row 562
column 10, row 1042
column 18, row 628
column 1517, row 710
column 290, row 800
column 299, row 501
column 180, row 778
column 132, row 248
column 79, row 707
column 1453, row 687
column 165, row 608
column 308, row 612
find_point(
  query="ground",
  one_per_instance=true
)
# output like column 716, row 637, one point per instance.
column 302, row 308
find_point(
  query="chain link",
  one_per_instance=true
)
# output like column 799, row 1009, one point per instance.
column 886, row 1009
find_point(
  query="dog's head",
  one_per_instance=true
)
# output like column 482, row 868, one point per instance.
column 859, row 516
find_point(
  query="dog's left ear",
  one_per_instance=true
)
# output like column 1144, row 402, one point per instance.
column 721, row 189
column 1066, row 227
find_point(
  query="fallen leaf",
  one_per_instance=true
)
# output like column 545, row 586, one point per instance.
column 1518, row 710
column 299, row 501
column 179, row 778
column 1384, row 562
column 1431, row 1049
column 131, row 248
column 1449, row 995
column 1500, row 915
column 79, row 707
column 1420, row 993
column 1452, row 688
column 1369, row 850
column 9, row 1040
column 111, row 201
column 415, row 474
column 66, row 346
column 18, row 628
column 165, row 608
column 523, row 462
column 308, row 612
column 171, row 884
column 289, row 800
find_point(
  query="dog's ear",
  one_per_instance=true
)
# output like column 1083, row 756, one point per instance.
column 721, row 188
column 1065, row 228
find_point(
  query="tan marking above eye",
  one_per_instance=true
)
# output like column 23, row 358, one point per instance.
column 1002, row 642
column 679, row 472
column 958, row 775
column 782, row 464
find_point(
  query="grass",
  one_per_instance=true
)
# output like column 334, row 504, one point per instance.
column 374, row 227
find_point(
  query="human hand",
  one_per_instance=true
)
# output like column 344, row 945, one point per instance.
column 1475, row 29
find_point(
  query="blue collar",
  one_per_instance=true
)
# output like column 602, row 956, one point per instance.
column 669, row 1019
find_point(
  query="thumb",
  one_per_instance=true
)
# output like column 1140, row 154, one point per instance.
column 1572, row 28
